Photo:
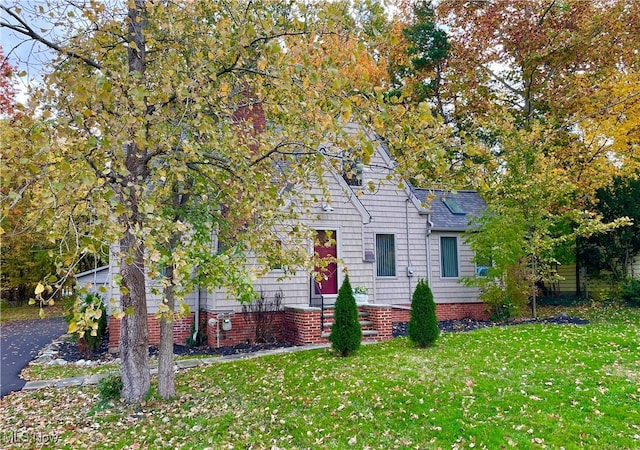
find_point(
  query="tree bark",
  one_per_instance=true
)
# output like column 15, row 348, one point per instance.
column 134, row 333
column 166, row 378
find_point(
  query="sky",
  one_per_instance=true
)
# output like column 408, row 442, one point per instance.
column 27, row 55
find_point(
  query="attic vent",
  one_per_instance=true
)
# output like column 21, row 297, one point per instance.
column 453, row 206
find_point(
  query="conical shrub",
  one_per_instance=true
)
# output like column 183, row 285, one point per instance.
column 423, row 324
column 346, row 333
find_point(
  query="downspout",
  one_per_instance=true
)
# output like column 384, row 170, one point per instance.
column 373, row 266
column 197, row 313
column 196, row 318
column 428, row 244
column 410, row 266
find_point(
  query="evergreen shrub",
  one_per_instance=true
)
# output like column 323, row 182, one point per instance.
column 631, row 291
column 423, row 324
column 346, row 334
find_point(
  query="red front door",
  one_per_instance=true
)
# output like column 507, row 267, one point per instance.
column 325, row 246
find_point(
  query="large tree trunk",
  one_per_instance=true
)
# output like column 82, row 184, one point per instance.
column 134, row 333
column 166, row 379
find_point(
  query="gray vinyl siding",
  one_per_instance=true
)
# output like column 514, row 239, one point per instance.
column 392, row 214
column 94, row 280
column 346, row 220
column 153, row 300
column 358, row 215
column 451, row 290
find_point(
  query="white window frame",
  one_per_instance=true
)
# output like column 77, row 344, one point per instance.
column 457, row 257
column 395, row 255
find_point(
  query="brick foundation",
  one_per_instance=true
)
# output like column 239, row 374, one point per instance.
column 382, row 318
column 296, row 325
column 181, row 330
column 302, row 326
column 452, row 311
column 242, row 328
column 448, row 311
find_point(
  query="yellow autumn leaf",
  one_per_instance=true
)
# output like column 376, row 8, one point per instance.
column 39, row 289
column 73, row 327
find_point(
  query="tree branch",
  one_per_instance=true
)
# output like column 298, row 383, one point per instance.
column 500, row 80
column 546, row 11
column 275, row 36
column 26, row 30
column 276, row 150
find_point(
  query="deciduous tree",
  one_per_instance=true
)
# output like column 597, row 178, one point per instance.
column 169, row 123
column 526, row 96
column 614, row 251
column 7, row 86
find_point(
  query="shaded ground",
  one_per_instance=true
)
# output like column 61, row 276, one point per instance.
column 400, row 328
column 20, row 343
column 69, row 350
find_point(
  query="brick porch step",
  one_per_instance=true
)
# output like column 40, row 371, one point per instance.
column 365, row 334
column 361, row 314
column 363, row 324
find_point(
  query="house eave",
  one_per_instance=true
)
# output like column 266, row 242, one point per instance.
column 449, row 230
column 353, row 198
column 91, row 271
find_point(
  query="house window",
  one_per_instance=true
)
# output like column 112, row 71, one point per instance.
column 352, row 171
column 449, row 257
column 482, row 266
column 385, row 255
column 482, row 271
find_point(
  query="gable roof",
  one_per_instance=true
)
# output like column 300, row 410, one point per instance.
column 353, row 198
column 385, row 154
column 454, row 215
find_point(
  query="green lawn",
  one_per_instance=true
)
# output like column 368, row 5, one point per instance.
column 26, row 312
column 528, row 386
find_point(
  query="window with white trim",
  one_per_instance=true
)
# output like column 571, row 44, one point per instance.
column 449, row 257
column 385, row 255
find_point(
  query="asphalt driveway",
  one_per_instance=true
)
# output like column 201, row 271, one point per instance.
column 20, row 342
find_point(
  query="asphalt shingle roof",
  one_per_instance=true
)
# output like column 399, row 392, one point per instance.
column 442, row 217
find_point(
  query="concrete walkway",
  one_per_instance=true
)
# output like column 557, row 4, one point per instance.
column 181, row 364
